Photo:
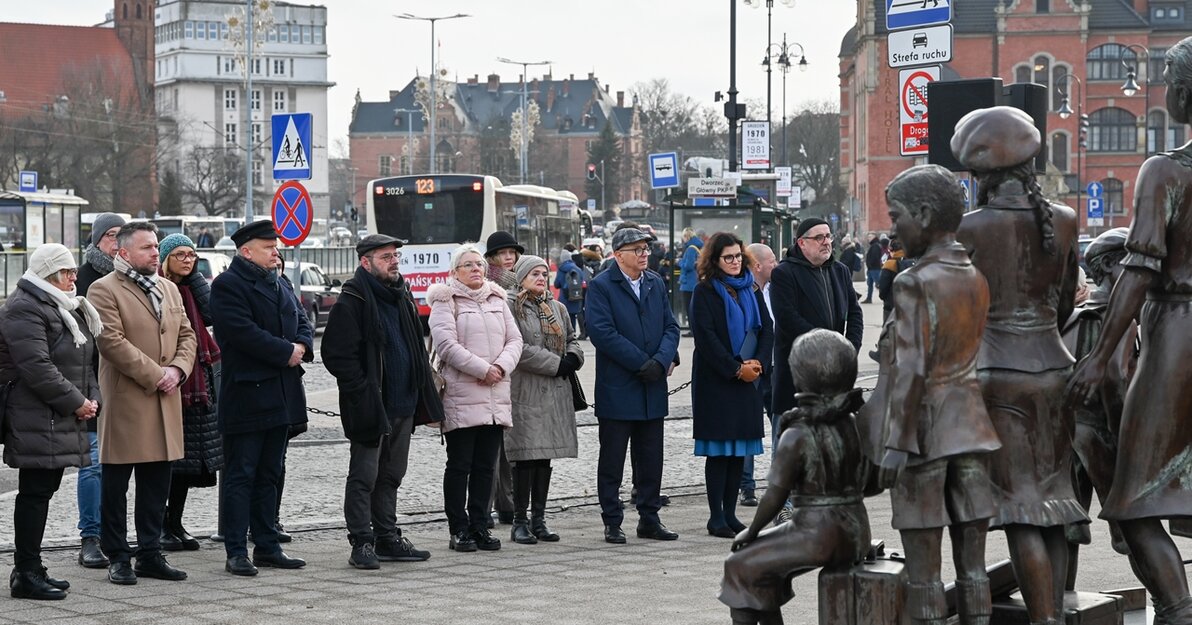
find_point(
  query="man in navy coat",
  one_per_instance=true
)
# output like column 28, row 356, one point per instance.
column 264, row 337
column 636, row 338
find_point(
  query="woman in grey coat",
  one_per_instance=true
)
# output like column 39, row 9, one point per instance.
column 543, row 412
column 47, row 346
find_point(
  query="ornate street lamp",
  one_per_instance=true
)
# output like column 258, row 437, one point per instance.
column 433, row 71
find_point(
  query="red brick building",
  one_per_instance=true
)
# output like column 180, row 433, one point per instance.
column 1037, row 41
column 472, row 134
column 43, row 63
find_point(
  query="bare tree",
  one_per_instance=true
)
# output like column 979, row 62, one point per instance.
column 214, row 179
column 813, row 148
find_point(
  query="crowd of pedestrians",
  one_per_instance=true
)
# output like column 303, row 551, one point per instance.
column 189, row 379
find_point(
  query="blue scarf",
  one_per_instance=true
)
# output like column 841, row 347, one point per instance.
column 742, row 314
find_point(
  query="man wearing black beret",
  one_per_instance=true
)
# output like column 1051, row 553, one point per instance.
column 809, row 290
column 264, row 338
column 373, row 346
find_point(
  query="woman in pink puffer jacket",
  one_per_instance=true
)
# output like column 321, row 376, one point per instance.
column 478, row 343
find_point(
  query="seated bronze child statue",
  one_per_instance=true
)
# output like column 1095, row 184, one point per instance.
column 819, row 465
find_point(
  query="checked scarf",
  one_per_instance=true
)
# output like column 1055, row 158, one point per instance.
column 552, row 331
column 147, row 283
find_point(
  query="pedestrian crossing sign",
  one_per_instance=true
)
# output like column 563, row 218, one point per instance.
column 916, row 13
column 292, row 146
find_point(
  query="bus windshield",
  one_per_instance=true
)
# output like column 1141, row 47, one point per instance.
column 428, row 210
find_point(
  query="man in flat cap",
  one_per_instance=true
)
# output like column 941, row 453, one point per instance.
column 373, row 346
column 264, row 338
column 809, row 290
column 636, row 339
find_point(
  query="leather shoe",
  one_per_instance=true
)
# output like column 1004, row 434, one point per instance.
column 657, row 531
column 169, row 542
column 240, row 565
column 277, row 560
column 60, row 584
column 614, row 535
column 749, row 498
column 91, row 556
column 189, row 543
column 34, row 585
column 721, row 531
column 155, row 566
column 121, row 573
column 282, row 535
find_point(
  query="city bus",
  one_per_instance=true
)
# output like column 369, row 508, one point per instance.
column 436, row 213
column 191, row 225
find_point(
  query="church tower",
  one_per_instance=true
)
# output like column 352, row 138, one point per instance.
column 134, row 23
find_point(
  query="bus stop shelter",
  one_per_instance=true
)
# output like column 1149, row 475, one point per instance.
column 30, row 219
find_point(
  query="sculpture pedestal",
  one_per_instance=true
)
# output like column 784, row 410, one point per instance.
column 1080, row 608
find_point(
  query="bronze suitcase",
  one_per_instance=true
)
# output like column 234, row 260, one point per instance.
column 1080, row 608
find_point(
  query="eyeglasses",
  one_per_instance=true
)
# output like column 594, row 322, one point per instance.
column 472, row 265
column 732, row 258
column 109, row 235
column 637, row 251
column 387, row 258
column 184, row 256
column 820, row 238
column 70, row 272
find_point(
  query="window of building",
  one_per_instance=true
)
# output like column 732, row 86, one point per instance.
column 385, row 165
column 1022, row 74
column 1057, row 79
column 1113, row 192
column 318, row 35
column 279, row 67
column 1156, row 131
column 257, row 173
column 283, row 33
column 1105, row 62
column 279, row 101
column 1059, row 150
column 295, row 33
column 306, row 34
column 1155, row 66
column 1112, row 130
column 256, row 133
column 229, row 65
column 1175, row 136
column 272, row 35
column 1166, row 14
column 213, row 30
column 223, row 30
column 200, row 30
column 230, row 99
column 1042, row 67
column 230, row 133
column 256, row 99
column 1042, row 6
column 256, row 66
column 188, row 29
column 175, row 99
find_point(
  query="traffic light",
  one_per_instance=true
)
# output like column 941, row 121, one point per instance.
column 1083, row 128
column 591, row 171
column 354, row 214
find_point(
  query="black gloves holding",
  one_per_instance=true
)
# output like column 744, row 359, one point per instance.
column 652, row 371
column 568, row 364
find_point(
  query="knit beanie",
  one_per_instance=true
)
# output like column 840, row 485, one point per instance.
column 808, row 224
column 172, row 242
column 525, row 264
column 50, row 258
column 104, row 222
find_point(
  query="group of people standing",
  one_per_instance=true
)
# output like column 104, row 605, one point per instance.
column 136, row 357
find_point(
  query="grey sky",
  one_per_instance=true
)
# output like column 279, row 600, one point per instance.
column 622, row 41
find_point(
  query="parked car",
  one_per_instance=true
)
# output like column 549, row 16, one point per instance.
column 225, row 243
column 211, row 264
column 318, row 291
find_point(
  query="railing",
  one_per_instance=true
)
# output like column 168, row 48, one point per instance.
column 336, row 262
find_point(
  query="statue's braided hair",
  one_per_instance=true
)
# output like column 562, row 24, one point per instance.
column 1024, row 173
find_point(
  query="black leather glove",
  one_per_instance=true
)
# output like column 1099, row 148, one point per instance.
column 566, row 366
column 573, row 361
column 652, row 371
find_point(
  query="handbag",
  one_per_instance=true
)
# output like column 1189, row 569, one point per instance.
column 5, row 391
column 436, row 371
column 578, row 401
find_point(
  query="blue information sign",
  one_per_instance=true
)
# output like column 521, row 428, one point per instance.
column 27, row 181
column 292, row 146
column 914, row 13
column 664, row 170
column 1096, row 208
column 1094, row 189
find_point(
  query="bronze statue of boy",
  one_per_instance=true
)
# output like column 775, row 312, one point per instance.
column 936, row 428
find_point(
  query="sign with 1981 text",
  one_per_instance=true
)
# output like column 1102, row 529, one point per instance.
column 755, row 145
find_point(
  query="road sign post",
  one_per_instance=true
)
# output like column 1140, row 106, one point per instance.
column 919, row 46
column 664, row 170
column 912, row 108
column 1095, row 207
column 293, row 212
column 711, row 187
column 292, row 146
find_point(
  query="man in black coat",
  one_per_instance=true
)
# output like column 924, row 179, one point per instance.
column 873, row 265
column 373, row 346
column 264, row 337
column 809, row 290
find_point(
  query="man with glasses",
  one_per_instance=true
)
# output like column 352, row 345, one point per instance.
column 373, row 346
column 636, row 339
column 809, row 290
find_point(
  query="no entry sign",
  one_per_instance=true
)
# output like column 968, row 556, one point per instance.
column 912, row 108
column 293, row 212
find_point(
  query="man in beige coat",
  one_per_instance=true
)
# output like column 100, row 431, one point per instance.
column 146, row 350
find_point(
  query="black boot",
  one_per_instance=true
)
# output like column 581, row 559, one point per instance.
column 33, row 585
column 541, row 487
column 169, row 542
column 522, row 478
column 173, row 525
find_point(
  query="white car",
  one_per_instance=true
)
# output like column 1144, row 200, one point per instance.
column 211, row 264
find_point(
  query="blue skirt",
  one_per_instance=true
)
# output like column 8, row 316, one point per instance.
column 739, row 447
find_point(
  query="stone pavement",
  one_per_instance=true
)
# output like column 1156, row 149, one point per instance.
column 579, row 580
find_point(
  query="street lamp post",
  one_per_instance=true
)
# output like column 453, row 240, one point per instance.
column 1065, row 111
column 783, row 57
column 434, row 96
column 409, row 135
column 757, row 4
column 525, row 102
column 1130, row 87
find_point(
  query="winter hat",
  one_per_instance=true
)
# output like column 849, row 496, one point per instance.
column 104, row 222
column 808, row 224
column 525, row 265
column 500, row 240
column 172, row 242
column 50, row 258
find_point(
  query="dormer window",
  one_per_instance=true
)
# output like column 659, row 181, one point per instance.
column 1166, row 14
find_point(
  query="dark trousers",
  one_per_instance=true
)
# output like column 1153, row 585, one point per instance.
column 153, row 489
column 468, row 479
column 252, row 467
column 502, row 493
column 35, row 487
column 748, row 480
column 644, row 439
column 374, row 475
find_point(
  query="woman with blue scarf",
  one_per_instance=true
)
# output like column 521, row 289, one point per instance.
column 734, row 339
